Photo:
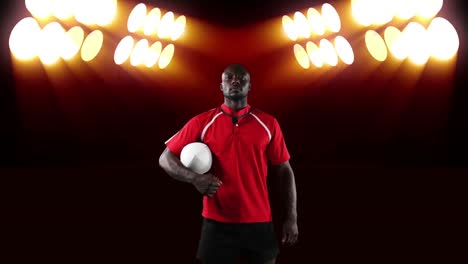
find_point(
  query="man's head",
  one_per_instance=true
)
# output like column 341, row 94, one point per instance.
column 235, row 82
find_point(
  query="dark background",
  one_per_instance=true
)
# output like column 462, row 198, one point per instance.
column 379, row 158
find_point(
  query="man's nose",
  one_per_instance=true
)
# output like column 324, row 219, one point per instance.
column 235, row 80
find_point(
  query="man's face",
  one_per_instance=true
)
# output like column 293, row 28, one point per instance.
column 235, row 84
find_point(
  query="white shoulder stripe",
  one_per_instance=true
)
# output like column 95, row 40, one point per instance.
column 263, row 124
column 209, row 124
column 171, row 137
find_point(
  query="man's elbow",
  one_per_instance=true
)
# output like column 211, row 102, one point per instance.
column 163, row 163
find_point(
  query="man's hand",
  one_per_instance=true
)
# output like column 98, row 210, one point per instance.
column 207, row 184
column 290, row 232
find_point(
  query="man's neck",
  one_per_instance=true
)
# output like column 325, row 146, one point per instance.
column 236, row 105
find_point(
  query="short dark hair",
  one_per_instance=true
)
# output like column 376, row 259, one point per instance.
column 237, row 67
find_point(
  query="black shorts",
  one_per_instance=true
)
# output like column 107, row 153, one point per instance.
column 225, row 242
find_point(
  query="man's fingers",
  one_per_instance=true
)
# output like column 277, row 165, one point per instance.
column 217, row 179
column 289, row 238
column 215, row 184
column 211, row 190
column 285, row 238
column 294, row 239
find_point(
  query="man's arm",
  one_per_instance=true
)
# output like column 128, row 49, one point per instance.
column 289, row 201
column 172, row 165
column 207, row 184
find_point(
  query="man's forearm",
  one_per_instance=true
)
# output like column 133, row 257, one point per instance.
column 289, row 196
column 288, row 191
column 172, row 166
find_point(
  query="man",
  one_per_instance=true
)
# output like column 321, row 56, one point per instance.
column 236, row 209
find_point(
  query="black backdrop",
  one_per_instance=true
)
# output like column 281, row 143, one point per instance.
column 376, row 180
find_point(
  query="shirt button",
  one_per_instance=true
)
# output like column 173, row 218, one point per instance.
column 237, row 125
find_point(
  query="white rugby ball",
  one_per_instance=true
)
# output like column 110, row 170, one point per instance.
column 197, row 157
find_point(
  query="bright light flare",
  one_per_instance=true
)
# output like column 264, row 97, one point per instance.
column 328, row 52
column 92, row 45
column 418, row 48
column 316, row 23
column 153, row 54
column 178, row 28
column 123, row 50
column 51, row 43
column 166, row 56
column 302, row 25
column 85, row 12
column 391, row 35
column 344, row 50
column 331, row 18
column 24, row 37
column 136, row 19
column 314, row 54
column 406, row 9
column 139, row 52
column 106, row 11
column 166, row 26
column 372, row 12
column 429, row 8
column 443, row 39
column 362, row 12
column 301, row 56
column 63, row 9
column 72, row 42
column 40, row 8
column 152, row 21
column 383, row 12
column 376, row 45
column 289, row 28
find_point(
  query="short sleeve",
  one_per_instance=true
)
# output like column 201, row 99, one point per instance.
column 277, row 152
column 188, row 134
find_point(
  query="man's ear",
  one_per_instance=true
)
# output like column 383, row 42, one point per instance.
column 221, row 86
column 250, row 86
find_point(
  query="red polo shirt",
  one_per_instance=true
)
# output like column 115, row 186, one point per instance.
column 241, row 151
